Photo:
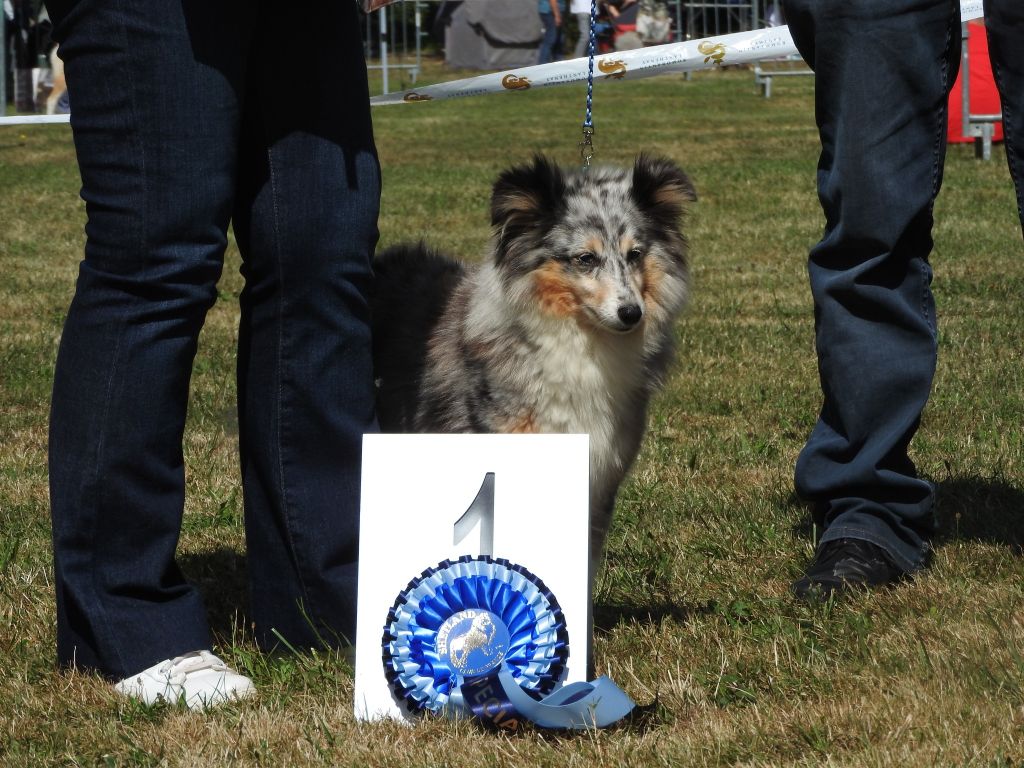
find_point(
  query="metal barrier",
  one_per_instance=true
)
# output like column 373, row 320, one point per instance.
column 387, row 40
column 979, row 127
column 788, row 66
column 400, row 30
column 710, row 18
column 3, row 63
column 766, row 71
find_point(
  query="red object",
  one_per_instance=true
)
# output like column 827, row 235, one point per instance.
column 982, row 87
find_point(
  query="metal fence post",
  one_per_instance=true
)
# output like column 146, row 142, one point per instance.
column 384, row 45
column 3, row 63
column 965, row 81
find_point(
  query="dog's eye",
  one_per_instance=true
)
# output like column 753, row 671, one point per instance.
column 585, row 259
column 635, row 254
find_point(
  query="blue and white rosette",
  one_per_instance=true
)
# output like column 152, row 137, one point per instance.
column 485, row 637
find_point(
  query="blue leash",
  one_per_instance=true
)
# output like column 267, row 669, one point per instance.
column 587, row 145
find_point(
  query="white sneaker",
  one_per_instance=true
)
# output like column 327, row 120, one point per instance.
column 198, row 679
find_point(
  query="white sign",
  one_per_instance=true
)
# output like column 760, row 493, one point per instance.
column 417, row 488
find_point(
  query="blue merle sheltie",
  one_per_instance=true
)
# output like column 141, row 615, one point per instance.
column 567, row 325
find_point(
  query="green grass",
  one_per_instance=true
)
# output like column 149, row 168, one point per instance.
column 692, row 605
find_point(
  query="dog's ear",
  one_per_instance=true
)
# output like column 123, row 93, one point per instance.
column 523, row 199
column 661, row 189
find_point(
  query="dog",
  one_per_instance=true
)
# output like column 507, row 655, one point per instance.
column 568, row 325
column 478, row 637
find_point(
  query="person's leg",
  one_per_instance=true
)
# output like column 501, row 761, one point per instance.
column 1004, row 21
column 583, row 43
column 546, row 52
column 306, row 222
column 883, row 69
column 556, row 48
column 154, row 135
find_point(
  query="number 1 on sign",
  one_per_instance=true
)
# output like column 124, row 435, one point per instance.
column 480, row 511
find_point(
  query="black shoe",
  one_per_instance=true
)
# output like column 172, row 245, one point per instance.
column 844, row 564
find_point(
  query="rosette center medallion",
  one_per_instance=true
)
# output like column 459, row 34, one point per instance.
column 473, row 642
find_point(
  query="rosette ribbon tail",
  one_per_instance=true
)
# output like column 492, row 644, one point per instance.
column 499, row 702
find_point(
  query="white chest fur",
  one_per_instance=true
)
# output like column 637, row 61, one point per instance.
column 572, row 378
column 581, row 380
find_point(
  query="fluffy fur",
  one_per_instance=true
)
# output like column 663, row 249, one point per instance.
column 567, row 325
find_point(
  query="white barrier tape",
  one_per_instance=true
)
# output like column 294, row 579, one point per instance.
column 34, row 119
column 971, row 9
column 737, row 48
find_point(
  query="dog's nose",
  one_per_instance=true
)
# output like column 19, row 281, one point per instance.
column 630, row 314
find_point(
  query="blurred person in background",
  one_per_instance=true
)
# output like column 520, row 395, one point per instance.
column 552, row 14
column 581, row 10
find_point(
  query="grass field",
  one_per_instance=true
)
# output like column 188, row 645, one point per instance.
column 692, row 607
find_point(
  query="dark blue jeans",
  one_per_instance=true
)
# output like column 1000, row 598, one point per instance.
column 551, row 44
column 188, row 115
column 883, row 72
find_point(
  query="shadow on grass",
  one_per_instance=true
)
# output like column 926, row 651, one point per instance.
column 982, row 509
column 607, row 617
column 979, row 509
column 221, row 577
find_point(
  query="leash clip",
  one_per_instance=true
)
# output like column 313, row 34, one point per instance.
column 587, row 146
